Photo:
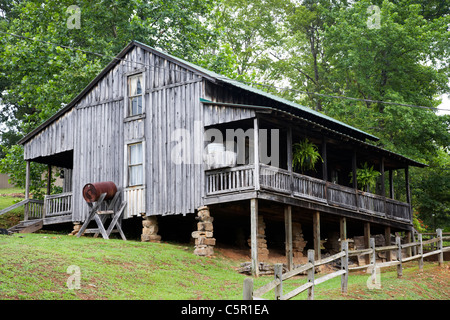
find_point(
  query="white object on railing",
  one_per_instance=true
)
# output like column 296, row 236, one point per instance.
column 218, row 157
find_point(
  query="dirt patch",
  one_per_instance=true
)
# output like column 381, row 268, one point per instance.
column 241, row 255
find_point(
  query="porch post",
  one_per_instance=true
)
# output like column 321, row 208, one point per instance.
column 27, row 188
column 343, row 228
column 391, row 184
column 256, row 151
column 316, row 232
column 254, row 236
column 324, row 158
column 383, row 188
column 49, row 179
column 367, row 239
column 355, row 182
column 288, row 233
column 408, row 191
column 289, row 149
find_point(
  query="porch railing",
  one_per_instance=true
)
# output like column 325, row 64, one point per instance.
column 33, row 208
column 237, row 179
column 58, row 204
column 229, row 180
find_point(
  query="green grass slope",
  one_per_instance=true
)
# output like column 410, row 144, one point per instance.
column 35, row 266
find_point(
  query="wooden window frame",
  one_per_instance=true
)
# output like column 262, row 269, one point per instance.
column 128, row 165
column 128, row 104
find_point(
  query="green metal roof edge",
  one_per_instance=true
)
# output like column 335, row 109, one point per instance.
column 241, row 85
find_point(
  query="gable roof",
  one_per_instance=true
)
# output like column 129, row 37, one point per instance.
column 211, row 76
column 237, row 84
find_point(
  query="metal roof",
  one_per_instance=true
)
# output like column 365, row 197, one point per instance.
column 240, row 85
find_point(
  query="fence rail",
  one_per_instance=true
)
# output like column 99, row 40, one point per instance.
column 309, row 267
column 277, row 284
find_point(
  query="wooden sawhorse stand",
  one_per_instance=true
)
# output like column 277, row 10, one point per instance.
column 100, row 217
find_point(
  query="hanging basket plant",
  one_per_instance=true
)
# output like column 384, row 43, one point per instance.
column 305, row 155
column 366, row 177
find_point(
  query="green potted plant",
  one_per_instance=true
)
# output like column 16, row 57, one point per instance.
column 366, row 177
column 305, row 155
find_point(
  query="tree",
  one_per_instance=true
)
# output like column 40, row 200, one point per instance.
column 39, row 74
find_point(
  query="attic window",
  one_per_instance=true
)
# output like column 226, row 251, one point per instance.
column 135, row 95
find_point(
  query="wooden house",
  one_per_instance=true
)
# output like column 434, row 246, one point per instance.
column 151, row 123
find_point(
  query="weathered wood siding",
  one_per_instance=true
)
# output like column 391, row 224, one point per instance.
column 54, row 139
column 173, row 119
column 214, row 114
column 97, row 131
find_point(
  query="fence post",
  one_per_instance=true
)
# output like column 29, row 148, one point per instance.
column 440, row 244
column 344, row 266
column 278, row 270
column 398, row 242
column 311, row 274
column 373, row 257
column 248, row 289
column 420, row 252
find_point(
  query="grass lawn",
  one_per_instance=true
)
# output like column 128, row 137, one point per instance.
column 34, row 266
column 9, row 197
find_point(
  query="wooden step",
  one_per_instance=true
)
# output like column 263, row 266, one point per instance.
column 29, row 226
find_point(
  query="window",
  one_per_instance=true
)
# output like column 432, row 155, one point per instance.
column 135, row 95
column 135, row 164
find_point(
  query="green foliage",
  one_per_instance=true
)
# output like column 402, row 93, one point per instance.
column 13, row 163
column 38, row 78
column 366, row 177
column 431, row 189
column 305, row 155
column 322, row 46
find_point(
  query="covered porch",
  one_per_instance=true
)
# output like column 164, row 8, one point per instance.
column 56, row 207
column 263, row 168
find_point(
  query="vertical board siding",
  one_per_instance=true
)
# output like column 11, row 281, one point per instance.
column 96, row 132
column 54, row 139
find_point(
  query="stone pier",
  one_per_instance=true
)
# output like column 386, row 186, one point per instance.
column 150, row 229
column 263, row 252
column 204, row 241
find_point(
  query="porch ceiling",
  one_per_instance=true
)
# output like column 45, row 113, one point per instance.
column 62, row 159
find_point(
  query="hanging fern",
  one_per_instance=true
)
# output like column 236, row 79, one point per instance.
column 305, row 155
column 366, row 177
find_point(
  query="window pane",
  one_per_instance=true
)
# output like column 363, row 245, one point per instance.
column 135, row 106
column 135, row 85
column 138, row 85
column 135, row 156
column 135, row 175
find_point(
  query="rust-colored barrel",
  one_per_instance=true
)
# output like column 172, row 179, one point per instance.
column 93, row 191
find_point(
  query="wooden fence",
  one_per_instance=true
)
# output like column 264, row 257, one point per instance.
column 250, row 294
column 277, row 283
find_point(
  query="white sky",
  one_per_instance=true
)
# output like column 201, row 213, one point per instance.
column 444, row 105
